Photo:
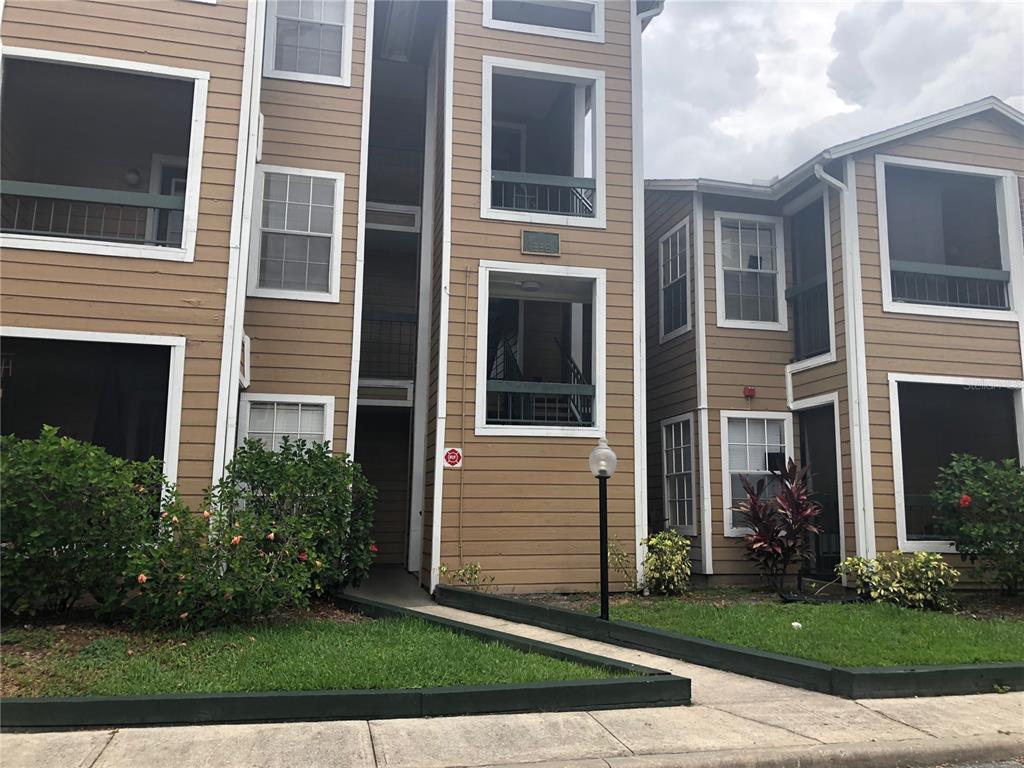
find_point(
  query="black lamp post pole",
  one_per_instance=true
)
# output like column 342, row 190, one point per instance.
column 602, row 484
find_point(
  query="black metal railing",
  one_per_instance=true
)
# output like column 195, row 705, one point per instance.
column 542, row 193
column 809, row 301
column 948, row 285
column 922, row 517
column 85, row 213
column 540, row 403
column 388, row 346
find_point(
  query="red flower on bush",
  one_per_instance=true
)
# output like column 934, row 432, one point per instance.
column 965, row 501
column 270, row 536
column 142, row 579
column 303, row 556
column 373, row 548
column 236, row 540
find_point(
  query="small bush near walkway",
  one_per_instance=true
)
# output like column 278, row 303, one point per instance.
column 906, row 579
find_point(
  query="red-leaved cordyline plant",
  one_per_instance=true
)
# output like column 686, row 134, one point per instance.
column 779, row 526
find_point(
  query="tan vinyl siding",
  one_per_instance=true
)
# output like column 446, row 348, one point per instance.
column 540, row 488
column 305, row 347
column 897, row 343
column 55, row 290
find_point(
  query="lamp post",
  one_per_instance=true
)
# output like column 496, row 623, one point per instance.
column 602, row 466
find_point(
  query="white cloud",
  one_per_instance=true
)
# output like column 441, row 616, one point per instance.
column 742, row 90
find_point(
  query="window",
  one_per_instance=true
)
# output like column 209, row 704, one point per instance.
column 932, row 418
column 121, row 180
column 572, row 19
column 310, row 40
column 942, row 232
column 677, row 470
column 540, row 366
column 674, row 277
column 270, row 418
column 296, row 248
column 754, row 444
column 810, row 295
column 542, row 158
column 751, row 271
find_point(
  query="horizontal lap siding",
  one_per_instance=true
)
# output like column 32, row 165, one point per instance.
column 671, row 366
column 898, row 343
column 305, row 347
column 124, row 295
column 539, row 489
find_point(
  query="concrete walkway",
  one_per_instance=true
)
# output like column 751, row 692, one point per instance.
column 735, row 721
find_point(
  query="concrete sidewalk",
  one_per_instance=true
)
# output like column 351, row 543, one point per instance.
column 736, row 721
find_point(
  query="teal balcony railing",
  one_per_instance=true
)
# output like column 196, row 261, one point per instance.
column 542, row 193
column 947, row 285
column 540, row 403
column 85, row 213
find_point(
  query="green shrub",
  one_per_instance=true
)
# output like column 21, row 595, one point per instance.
column 667, row 563
column 981, row 507
column 907, row 579
column 70, row 513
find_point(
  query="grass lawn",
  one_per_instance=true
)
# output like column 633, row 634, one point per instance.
column 307, row 653
column 850, row 635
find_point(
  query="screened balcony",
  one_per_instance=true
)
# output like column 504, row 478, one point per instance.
column 389, row 305
column 542, row 145
column 944, row 239
column 808, row 297
column 104, row 157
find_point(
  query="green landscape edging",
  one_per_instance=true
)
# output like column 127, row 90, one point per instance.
column 647, row 688
column 849, row 682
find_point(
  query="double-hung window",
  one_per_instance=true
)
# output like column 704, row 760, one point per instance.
column 296, row 248
column 751, row 271
column 674, row 276
column 271, row 418
column 754, row 444
column 677, row 470
column 310, row 40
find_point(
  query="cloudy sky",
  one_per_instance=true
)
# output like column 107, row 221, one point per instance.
column 749, row 90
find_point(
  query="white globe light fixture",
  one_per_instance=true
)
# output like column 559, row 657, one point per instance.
column 602, row 465
column 603, row 460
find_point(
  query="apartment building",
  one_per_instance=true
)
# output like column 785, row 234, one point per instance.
column 401, row 227
column 862, row 314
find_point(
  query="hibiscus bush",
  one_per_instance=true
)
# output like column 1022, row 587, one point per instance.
column 981, row 508
column 70, row 514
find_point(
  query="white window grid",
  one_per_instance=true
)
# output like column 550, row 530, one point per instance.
column 750, row 247
column 677, row 463
column 674, row 261
column 751, row 443
column 309, row 37
column 271, row 421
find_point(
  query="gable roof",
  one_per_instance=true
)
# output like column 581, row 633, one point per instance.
column 781, row 186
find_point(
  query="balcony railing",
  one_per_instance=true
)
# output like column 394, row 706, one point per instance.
column 53, row 210
column 537, row 403
column 541, row 193
column 922, row 517
column 388, row 346
column 948, row 285
column 810, row 318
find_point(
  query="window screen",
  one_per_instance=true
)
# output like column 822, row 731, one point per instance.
column 270, row 422
column 750, row 266
column 296, row 233
column 677, row 445
column 755, row 447
column 674, row 265
column 309, row 37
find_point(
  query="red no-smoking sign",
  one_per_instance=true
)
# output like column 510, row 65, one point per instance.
column 452, row 458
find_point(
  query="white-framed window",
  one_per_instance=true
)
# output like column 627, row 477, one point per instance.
column 674, row 281
column 949, row 238
column 269, row 418
column 540, row 367
column 753, row 443
column 933, row 417
column 677, row 474
column 569, row 19
column 96, row 193
column 310, row 40
column 542, row 157
column 751, row 271
column 296, row 245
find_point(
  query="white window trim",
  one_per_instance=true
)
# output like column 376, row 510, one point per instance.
column 270, row 39
column 334, row 294
column 543, row 71
column 204, row 2
column 175, row 375
column 1011, row 248
column 599, row 346
column 687, row 261
column 895, row 379
column 245, row 399
column 597, row 36
column 405, row 402
column 190, row 223
column 687, row 530
column 780, row 274
column 727, row 501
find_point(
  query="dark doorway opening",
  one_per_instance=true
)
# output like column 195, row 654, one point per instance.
column 110, row 394
column 383, row 451
column 818, row 449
